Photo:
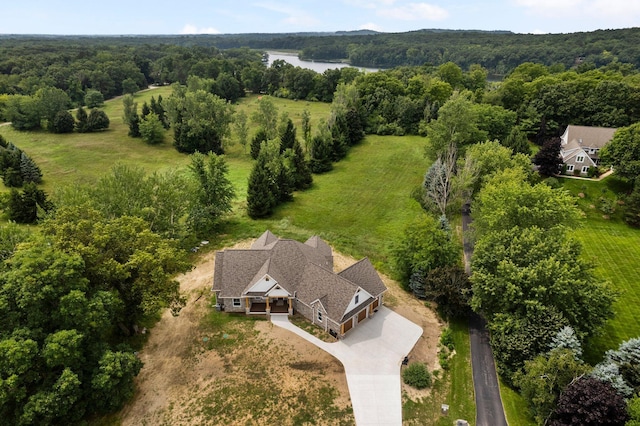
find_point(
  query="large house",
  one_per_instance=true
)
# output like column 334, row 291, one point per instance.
column 580, row 147
column 285, row 276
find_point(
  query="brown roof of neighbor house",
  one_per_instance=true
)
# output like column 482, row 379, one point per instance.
column 302, row 269
column 591, row 137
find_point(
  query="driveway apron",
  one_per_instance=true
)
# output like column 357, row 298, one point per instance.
column 372, row 355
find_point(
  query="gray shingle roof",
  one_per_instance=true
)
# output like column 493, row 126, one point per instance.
column 590, row 137
column 302, row 269
column 364, row 274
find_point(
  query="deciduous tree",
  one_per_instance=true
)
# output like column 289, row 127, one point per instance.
column 623, row 152
column 545, row 377
column 214, row 192
column 151, row 129
column 548, row 159
column 589, row 402
column 520, row 268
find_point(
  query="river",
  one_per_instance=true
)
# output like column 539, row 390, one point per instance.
column 319, row 67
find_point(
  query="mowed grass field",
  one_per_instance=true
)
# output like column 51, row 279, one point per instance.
column 614, row 249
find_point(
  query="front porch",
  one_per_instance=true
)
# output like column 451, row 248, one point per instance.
column 269, row 305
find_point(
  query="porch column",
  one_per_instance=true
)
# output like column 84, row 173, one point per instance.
column 290, row 307
column 247, row 306
column 267, row 309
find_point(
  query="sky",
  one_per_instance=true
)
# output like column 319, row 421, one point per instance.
column 279, row 16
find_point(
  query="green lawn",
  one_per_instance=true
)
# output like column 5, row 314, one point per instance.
column 614, row 249
column 454, row 387
column 84, row 157
column 516, row 409
column 362, row 206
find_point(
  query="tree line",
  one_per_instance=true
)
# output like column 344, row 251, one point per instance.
column 497, row 51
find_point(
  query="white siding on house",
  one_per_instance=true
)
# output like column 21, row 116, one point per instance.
column 263, row 285
column 361, row 295
column 278, row 292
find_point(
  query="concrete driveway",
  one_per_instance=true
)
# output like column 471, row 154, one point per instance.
column 372, row 355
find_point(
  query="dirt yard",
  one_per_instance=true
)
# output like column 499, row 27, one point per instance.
column 246, row 371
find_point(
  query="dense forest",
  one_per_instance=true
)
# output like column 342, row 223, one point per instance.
column 497, row 51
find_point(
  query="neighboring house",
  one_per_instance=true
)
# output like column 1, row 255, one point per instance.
column 580, row 147
column 286, row 276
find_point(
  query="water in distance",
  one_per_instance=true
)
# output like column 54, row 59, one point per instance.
column 317, row 66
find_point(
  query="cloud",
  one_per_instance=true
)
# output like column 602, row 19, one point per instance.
column 192, row 29
column 293, row 15
column 371, row 26
column 629, row 10
column 370, row 4
column 415, row 12
column 623, row 10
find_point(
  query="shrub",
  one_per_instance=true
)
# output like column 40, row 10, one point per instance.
column 417, row 375
column 593, row 172
column 446, row 338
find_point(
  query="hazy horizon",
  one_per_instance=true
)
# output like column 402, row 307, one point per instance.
column 73, row 17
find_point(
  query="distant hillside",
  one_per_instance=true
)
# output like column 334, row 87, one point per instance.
column 498, row 51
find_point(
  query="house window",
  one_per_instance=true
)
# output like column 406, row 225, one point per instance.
column 319, row 315
column 580, row 159
column 236, row 303
column 585, row 169
column 357, row 298
column 569, row 167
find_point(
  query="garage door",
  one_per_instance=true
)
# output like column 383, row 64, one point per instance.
column 362, row 315
column 348, row 325
column 375, row 304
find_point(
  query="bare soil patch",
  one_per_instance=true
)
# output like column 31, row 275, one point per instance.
column 250, row 372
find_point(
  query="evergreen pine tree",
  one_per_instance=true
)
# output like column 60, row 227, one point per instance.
column 14, row 206
column 134, row 126
column 288, row 136
column 29, row 169
column 566, row 339
column 145, row 110
column 260, row 198
column 82, row 124
column 339, row 138
column 256, row 142
column 97, row 120
column 302, row 176
column 320, row 161
column 12, row 178
column 517, row 141
column 160, row 112
column 632, row 207
column 355, row 128
column 63, row 122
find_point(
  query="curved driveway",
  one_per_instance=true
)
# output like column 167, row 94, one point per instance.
column 372, row 355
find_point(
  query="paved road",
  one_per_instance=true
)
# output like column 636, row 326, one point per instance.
column 372, row 354
column 489, row 409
